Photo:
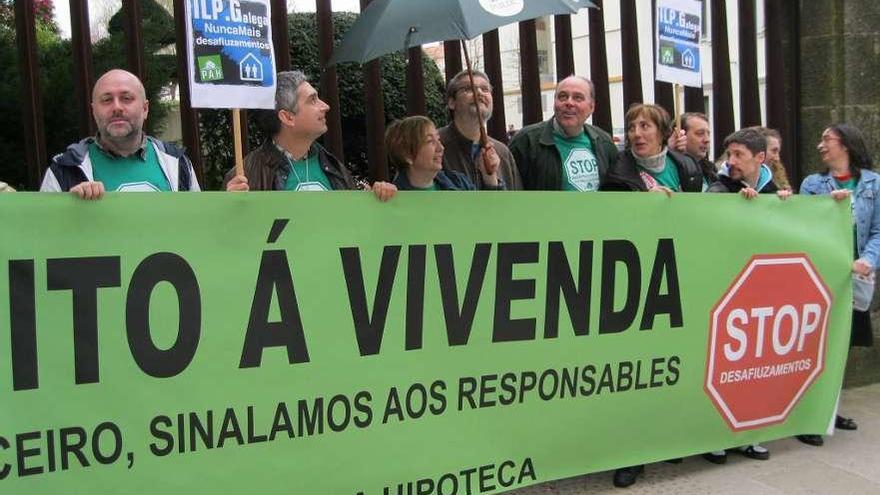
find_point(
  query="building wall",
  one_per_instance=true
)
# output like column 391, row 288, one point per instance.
column 839, row 70
column 840, row 67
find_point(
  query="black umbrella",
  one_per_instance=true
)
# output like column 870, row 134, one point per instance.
column 386, row 26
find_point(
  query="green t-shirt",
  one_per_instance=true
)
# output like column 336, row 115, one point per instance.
column 668, row 176
column 849, row 184
column 307, row 175
column 580, row 169
column 130, row 173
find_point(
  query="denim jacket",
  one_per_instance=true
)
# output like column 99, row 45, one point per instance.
column 866, row 209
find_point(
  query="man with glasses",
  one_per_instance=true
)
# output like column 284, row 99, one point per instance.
column 565, row 153
column 292, row 160
column 461, row 138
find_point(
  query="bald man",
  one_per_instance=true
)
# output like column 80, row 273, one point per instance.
column 120, row 157
column 565, row 153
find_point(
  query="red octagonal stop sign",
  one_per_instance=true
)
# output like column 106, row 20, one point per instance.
column 767, row 340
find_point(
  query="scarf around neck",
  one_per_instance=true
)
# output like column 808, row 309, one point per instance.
column 654, row 164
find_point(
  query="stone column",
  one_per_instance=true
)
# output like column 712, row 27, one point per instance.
column 840, row 72
column 840, row 81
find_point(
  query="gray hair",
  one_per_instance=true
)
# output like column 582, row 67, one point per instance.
column 286, row 87
column 459, row 81
column 285, row 90
column 580, row 78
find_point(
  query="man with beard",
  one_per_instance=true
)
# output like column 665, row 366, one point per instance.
column 461, row 138
column 121, row 157
column 745, row 172
column 565, row 153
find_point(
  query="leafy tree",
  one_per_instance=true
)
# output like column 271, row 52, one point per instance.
column 157, row 32
column 57, row 103
column 44, row 12
column 216, row 126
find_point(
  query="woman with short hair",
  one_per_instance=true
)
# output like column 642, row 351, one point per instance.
column 415, row 151
column 647, row 164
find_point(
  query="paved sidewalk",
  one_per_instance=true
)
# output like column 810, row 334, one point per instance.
column 848, row 463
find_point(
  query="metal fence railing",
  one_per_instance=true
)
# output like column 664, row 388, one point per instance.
column 781, row 58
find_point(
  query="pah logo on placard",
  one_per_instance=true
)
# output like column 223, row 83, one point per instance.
column 767, row 338
column 210, row 68
column 667, row 55
column 502, row 8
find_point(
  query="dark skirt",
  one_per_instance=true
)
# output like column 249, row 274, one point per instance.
column 862, row 332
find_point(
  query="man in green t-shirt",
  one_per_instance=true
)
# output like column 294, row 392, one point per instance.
column 121, row 157
column 565, row 153
column 291, row 159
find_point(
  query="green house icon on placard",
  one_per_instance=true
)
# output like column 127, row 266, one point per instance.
column 210, row 68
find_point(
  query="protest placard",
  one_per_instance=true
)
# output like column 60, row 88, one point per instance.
column 231, row 58
column 677, row 33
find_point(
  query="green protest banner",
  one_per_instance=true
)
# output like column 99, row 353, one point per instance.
column 440, row 343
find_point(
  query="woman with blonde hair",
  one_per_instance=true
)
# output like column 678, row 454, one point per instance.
column 774, row 146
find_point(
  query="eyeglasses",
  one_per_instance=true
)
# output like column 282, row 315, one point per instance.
column 482, row 88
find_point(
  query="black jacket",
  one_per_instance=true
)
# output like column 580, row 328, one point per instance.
column 624, row 175
column 710, row 173
column 725, row 184
column 538, row 161
column 267, row 169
